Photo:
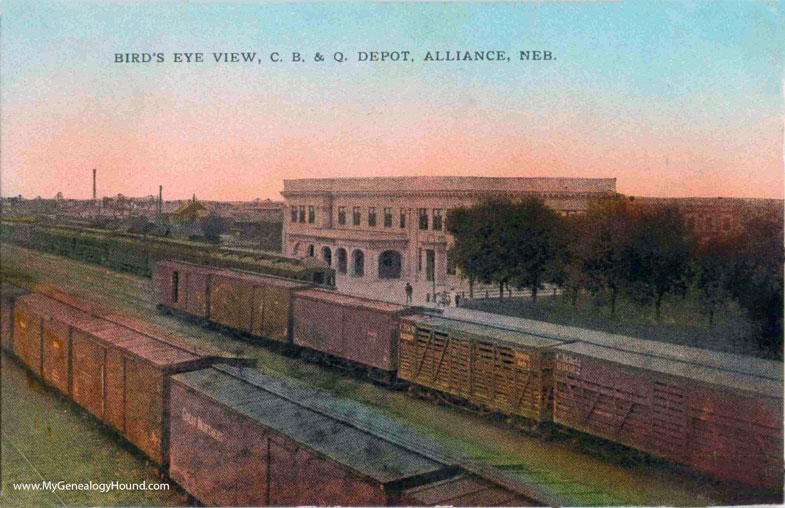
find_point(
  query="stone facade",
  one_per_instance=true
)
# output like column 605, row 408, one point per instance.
column 394, row 227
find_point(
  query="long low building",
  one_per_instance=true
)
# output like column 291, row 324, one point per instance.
column 385, row 228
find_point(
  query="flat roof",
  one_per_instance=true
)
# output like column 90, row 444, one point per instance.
column 450, row 183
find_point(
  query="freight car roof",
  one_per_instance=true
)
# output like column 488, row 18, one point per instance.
column 235, row 274
column 365, row 441
column 354, row 301
column 763, row 385
column 156, row 352
column 484, row 330
column 49, row 307
column 743, row 365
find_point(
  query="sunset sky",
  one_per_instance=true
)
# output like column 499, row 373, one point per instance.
column 672, row 99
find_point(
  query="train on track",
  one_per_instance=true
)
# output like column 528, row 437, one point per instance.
column 716, row 413
column 231, row 435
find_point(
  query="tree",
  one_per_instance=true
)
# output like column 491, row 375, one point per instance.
column 658, row 256
column 478, row 247
column 535, row 238
column 603, row 249
column 504, row 241
column 756, row 277
column 711, row 264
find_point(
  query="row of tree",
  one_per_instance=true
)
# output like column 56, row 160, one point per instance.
column 620, row 246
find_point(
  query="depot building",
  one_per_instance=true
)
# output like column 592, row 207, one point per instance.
column 388, row 228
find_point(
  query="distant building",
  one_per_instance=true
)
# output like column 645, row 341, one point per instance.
column 189, row 212
column 395, row 227
column 706, row 218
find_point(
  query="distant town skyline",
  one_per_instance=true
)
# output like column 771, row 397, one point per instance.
column 672, row 100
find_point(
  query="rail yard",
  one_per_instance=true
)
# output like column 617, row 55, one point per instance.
column 564, row 470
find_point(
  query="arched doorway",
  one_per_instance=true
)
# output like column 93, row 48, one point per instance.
column 296, row 249
column 341, row 255
column 311, row 250
column 358, row 263
column 390, row 265
column 327, row 255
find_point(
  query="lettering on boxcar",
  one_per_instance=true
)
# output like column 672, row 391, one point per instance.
column 568, row 364
column 202, row 426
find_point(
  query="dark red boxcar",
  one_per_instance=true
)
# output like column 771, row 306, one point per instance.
column 8, row 295
column 355, row 329
column 716, row 412
column 242, row 438
column 122, row 377
column 258, row 305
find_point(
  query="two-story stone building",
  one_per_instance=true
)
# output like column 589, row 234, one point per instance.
column 395, row 227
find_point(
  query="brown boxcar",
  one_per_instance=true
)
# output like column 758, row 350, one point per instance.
column 8, row 295
column 716, row 412
column 242, row 438
column 254, row 304
column 355, row 329
column 482, row 363
column 122, row 377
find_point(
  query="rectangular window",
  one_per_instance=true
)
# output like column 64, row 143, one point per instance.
column 419, row 260
column 294, row 214
column 423, row 218
column 372, row 216
column 388, row 217
column 356, row 215
column 437, row 219
column 311, row 215
column 175, row 285
column 341, row 215
column 302, row 213
column 403, row 218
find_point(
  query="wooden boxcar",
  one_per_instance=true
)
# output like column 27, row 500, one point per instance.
column 239, row 438
column 257, row 305
column 350, row 328
column 718, row 413
column 8, row 295
column 118, row 374
column 479, row 362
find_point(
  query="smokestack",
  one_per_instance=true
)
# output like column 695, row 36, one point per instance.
column 94, row 197
column 160, row 198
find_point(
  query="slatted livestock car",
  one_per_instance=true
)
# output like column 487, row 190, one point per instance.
column 239, row 437
column 117, row 373
column 349, row 331
column 477, row 360
column 251, row 304
column 715, row 412
column 8, row 295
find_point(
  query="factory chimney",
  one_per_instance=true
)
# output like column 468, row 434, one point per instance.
column 94, row 197
column 160, row 199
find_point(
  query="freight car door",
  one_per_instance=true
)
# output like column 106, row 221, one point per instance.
column 277, row 313
column 88, row 373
